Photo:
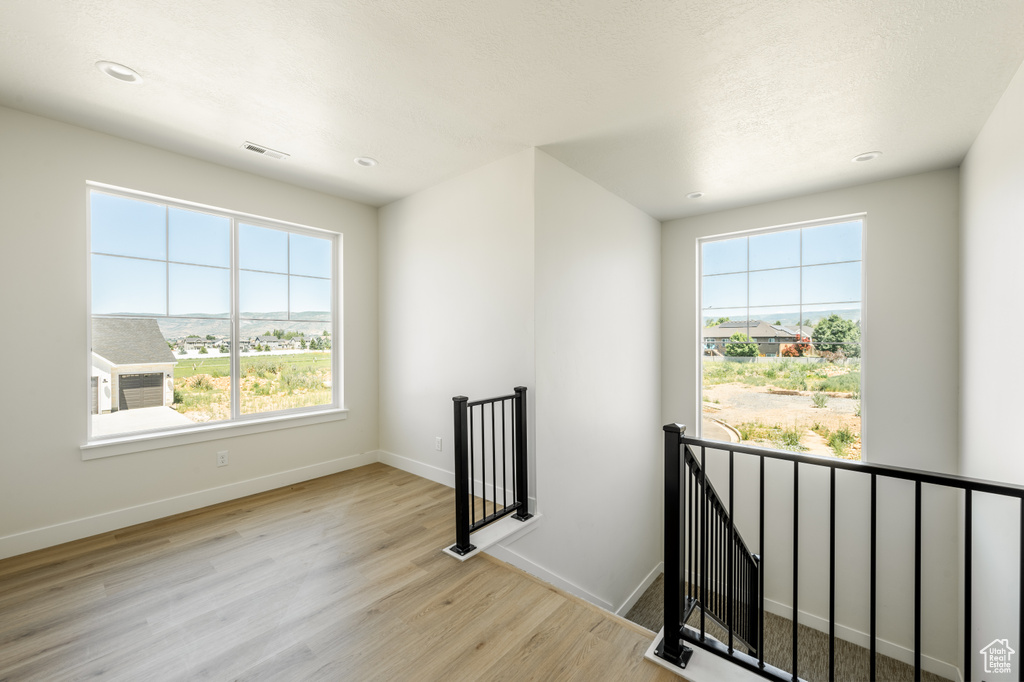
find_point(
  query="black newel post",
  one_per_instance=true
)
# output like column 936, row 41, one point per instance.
column 522, row 469
column 672, row 649
column 462, row 545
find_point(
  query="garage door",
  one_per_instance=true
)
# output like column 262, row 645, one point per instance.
column 140, row 390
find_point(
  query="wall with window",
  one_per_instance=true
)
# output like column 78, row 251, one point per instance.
column 48, row 494
column 910, row 391
column 992, row 243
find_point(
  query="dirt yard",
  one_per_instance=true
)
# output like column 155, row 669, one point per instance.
column 742, row 406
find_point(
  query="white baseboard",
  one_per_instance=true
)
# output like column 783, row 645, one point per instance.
column 632, row 599
column 417, row 468
column 863, row 639
column 48, row 536
column 508, row 556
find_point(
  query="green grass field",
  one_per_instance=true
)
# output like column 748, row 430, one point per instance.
column 221, row 367
column 787, row 374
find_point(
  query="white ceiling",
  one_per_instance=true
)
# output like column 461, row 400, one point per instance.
column 745, row 101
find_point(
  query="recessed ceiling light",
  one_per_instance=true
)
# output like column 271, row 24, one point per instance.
column 866, row 156
column 365, row 161
column 119, row 71
column 695, row 195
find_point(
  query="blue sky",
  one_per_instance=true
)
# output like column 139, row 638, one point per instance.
column 187, row 256
column 778, row 272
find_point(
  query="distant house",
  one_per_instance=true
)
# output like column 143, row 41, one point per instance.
column 769, row 337
column 132, row 365
column 271, row 342
column 192, row 342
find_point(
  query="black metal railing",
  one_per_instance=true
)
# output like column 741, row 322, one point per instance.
column 490, row 463
column 694, row 516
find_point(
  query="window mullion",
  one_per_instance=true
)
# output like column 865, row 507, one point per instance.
column 236, row 339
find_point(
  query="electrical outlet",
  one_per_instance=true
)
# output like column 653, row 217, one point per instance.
column 222, row 458
column 437, row 443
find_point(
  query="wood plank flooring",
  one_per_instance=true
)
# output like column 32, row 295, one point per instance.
column 340, row 578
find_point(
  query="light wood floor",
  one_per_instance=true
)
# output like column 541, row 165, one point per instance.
column 341, row 578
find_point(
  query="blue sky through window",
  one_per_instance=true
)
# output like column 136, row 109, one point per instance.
column 167, row 260
column 774, row 274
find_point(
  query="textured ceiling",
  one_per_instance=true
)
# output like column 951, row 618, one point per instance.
column 745, row 101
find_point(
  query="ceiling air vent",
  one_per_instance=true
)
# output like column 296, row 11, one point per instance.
column 265, row 151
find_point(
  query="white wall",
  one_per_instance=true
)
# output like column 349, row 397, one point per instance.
column 465, row 267
column 456, row 306
column 48, row 494
column 992, row 243
column 910, row 404
column 598, row 438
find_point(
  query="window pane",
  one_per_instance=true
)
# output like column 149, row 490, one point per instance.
column 725, row 291
column 775, row 287
column 132, row 377
column 127, row 227
column 794, row 382
column 775, row 250
column 836, row 329
column 199, row 238
column 785, row 316
column 260, row 248
column 831, row 283
column 310, row 298
column 128, row 286
column 846, row 311
column 262, row 294
column 310, row 255
column 197, row 290
column 726, row 255
column 832, row 243
column 202, row 375
column 285, row 366
column 716, row 316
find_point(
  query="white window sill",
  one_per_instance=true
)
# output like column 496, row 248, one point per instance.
column 123, row 445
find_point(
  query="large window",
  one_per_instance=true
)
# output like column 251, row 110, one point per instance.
column 781, row 338
column 203, row 315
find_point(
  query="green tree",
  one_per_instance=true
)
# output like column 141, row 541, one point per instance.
column 834, row 334
column 302, row 344
column 740, row 346
column 203, row 351
column 224, row 348
column 211, row 337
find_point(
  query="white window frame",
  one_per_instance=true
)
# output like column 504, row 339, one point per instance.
column 700, row 241
column 238, row 423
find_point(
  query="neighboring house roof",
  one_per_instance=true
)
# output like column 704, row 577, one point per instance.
column 805, row 331
column 267, row 339
column 130, row 341
column 755, row 329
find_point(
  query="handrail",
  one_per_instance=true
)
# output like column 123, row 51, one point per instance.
column 930, row 477
column 742, row 582
column 681, row 548
column 468, row 433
